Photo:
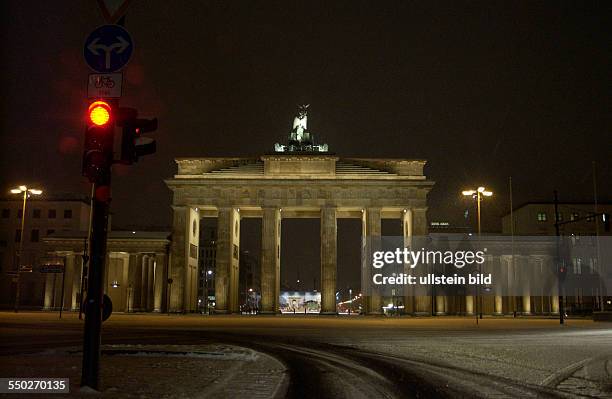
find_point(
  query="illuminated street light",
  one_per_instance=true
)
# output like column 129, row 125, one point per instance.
column 478, row 194
column 27, row 192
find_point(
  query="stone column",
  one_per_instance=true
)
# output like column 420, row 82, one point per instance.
column 150, row 282
column 526, row 304
column 498, row 310
column 407, row 232
column 371, row 229
column 419, row 229
column 526, row 267
column 555, row 304
column 184, row 257
column 270, row 260
column 440, row 309
column 160, row 277
column 469, row 305
column 76, row 282
column 329, row 235
column 494, row 265
column 144, row 282
column 133, row 283
column 227, row 260
column 49, row 286
column 66, row 279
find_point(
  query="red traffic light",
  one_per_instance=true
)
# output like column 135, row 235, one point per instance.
column 99, row 113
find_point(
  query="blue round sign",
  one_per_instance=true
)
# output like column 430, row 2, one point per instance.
column 108, row 48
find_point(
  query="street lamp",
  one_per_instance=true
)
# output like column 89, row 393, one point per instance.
column 478, row 195
column 27, row 192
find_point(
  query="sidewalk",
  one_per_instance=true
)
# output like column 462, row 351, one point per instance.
column 158, row 371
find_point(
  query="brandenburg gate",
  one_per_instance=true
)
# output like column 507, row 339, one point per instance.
column 299, row 180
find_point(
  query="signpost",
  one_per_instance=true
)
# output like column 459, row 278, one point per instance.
column 108, row 48
column 106, row 85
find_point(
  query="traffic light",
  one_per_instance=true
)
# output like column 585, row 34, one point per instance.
column 99, row 134
column 133, row 144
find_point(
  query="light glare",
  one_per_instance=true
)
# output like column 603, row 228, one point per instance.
column 99, row 113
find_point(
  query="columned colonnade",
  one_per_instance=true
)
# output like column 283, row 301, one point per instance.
column 284, row 186
column 135, row 275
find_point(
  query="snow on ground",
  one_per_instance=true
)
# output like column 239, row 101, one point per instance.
column 159, row 371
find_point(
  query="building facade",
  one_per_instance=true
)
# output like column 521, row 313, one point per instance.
column 538, row 218
column 44, row 217
column 585, row 230
column 136, row 273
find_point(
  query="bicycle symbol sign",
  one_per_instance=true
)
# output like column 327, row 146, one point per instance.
column 105, row 85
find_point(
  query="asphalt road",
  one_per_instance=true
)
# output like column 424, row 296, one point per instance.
column 363, row 357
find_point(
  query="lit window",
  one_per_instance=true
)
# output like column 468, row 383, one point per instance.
column 542, row 217
column 575, row 216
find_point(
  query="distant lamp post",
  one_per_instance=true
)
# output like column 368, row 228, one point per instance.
column 478, row 195
column 27, row 192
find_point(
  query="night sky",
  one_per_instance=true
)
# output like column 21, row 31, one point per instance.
column 482, row 90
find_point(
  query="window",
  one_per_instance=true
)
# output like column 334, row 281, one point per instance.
column 590, row 218
column 20, row 214
column 36, row 214
column 50, row 231
column 6, row 213
column 559, row 216
column 575, row 216
column 34, row 235
column 542, row 217
column 577, row 263
column 67, row 213
column 17, row 235
column 51, row 214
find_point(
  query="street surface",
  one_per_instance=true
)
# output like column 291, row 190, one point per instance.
column 360, row 357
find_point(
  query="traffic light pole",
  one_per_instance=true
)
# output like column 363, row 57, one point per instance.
column 95, row 291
